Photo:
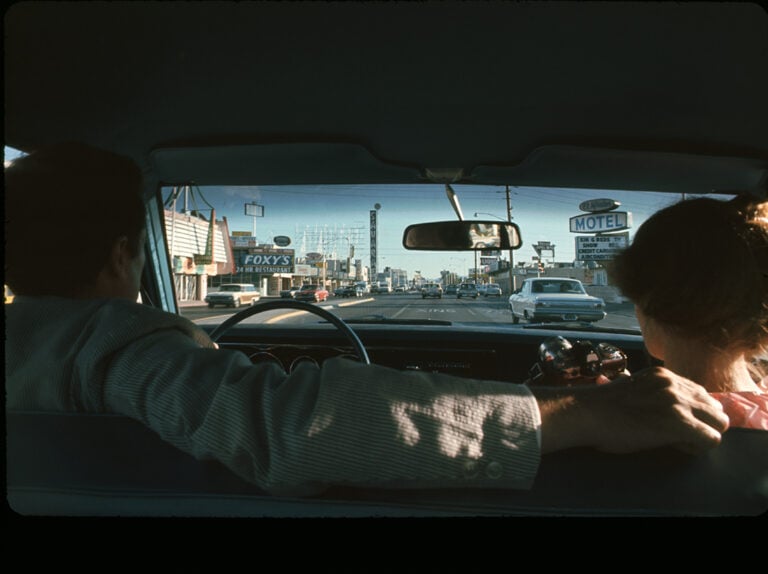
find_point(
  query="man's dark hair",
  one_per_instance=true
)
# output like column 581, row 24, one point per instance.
column 65, row 207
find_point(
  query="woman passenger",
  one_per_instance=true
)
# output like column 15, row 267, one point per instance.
column 697, row 272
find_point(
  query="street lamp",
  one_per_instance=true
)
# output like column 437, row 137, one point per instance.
column 478, row 213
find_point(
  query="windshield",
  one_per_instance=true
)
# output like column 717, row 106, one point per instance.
column 281, row 238
column 555, row 286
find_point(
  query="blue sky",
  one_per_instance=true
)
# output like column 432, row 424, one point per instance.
column 343, row 212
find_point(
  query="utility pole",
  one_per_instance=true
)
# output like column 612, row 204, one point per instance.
column 512, row 285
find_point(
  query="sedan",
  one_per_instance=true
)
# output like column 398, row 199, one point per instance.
column 555, row 299
column 492, row 290
column 432, row 290
column 349, row 291
column 289, row 293
column 314, row 293
column 467, row 290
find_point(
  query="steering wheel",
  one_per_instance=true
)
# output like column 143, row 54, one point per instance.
column 357, row 344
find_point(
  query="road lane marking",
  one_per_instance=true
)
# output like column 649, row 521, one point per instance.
column 347, row 304
column 211, row 317
column 296, row 313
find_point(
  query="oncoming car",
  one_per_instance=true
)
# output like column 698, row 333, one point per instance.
column 290, row 292
column 467, row 290
column 432, row 290
column 290, row 153
column 555, row 299
column 352, row 290
column 492, row 290
column 234, row 295
column 312, row 292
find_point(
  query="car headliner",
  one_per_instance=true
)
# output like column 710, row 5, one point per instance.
column 649, row 96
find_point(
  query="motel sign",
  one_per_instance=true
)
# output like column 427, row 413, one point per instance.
column 601, row 222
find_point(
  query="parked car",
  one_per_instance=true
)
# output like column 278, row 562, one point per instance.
column 378, row 108
column 555, row 299
column 432, row 290
column 492, row 290
column 466, row 290
column 234, row 295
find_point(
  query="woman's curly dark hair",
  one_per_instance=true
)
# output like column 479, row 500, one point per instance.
column 700, row 268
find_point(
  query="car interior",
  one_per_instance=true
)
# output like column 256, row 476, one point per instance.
column 643, row 97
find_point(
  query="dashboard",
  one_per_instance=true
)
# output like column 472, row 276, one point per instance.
column 479, row 352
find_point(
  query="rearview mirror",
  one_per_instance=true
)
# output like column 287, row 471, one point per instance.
column 462, row 236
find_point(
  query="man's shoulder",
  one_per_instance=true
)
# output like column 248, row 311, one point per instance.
column 143, row 318
column 107, row 314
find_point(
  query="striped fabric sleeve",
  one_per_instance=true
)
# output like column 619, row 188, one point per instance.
column 343, row 424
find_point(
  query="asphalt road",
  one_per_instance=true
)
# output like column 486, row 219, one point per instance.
column 401, row 307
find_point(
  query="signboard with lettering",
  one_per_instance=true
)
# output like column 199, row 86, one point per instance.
column 202, row 259
column 602, row 204
column 244, row 241
column 600, row 247
column 254, row 210
column 282, row 241
column 601, row 222
column 374, row 242
column 268, row 260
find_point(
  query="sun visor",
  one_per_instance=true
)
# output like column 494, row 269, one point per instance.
column 597, row 168
column 274, row 164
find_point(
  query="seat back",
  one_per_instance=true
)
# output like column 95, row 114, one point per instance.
column 66, row 452
column 76, row 464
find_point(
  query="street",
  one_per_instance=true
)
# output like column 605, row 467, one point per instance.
column 403, row 307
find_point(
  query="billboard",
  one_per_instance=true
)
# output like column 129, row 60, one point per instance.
column 600, row 247
column 306, row 270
